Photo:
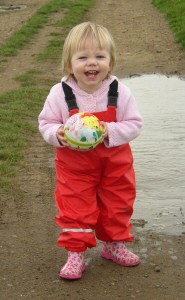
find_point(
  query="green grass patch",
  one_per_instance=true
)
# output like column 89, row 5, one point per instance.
column 29, row 78
column 19, row 39
column 18, row 109
column 33, row 25
column 35, row 78
column 75, row 11
column 174, row 11
column 52, row 51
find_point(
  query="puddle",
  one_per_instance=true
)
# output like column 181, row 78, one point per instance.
column 12, row 7
column 160, row 152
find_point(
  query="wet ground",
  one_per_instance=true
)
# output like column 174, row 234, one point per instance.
column 159, row 152
column 11, row 7
column 31, row 259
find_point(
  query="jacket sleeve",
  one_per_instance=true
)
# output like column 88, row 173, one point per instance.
column 51, row 116
column 129, row 121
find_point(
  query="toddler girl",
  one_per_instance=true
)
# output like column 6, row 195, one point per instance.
column 96, row 189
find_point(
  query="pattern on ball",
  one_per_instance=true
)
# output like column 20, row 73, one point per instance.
column 83, row 131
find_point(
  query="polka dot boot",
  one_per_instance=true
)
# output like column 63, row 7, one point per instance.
column 118, row 252
column 74, row 267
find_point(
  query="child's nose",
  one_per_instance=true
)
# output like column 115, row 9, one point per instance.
column 92, row 61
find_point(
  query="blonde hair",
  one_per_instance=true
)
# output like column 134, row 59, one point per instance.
column 76, row 40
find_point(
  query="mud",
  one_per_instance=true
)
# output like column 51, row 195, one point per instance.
column 30, row 259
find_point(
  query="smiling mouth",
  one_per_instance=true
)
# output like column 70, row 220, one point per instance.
column 91, row 73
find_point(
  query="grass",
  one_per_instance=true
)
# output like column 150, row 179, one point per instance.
column 19, row 109
column 20, row 38
column 76, row 10
column 33, row 77
column 29, row 78
column 174, row 11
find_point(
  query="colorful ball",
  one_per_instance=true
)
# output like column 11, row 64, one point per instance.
column 83, row 131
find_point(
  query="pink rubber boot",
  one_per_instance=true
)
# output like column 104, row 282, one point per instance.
column 74, row 267
column 119, row 253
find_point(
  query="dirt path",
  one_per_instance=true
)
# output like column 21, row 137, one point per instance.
column 30, row 257
column 144, row 41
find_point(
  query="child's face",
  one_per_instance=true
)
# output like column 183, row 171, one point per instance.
column 90, row 66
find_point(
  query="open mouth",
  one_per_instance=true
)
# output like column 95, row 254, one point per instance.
column 91, row 74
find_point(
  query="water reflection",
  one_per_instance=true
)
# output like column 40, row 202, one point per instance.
column 160, row 152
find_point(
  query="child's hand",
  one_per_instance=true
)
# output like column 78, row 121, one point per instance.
column 105, row 129
column 60, row 136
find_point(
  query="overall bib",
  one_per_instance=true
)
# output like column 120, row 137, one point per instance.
column 96, row 189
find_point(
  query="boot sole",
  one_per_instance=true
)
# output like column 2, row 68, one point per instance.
column 73, row 277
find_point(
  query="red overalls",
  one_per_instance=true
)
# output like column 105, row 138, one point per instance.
column 95, row 192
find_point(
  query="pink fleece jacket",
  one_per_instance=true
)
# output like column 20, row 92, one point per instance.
column 55, row 112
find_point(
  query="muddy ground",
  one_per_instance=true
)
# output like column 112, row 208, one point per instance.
column 30, row 259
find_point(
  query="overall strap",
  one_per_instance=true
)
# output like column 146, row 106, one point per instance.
column 113, row 94
column 69, row 97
